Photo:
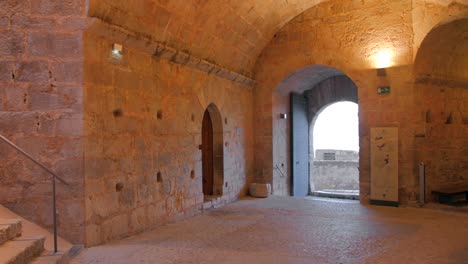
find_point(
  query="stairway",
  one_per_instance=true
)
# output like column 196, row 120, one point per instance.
column 15, row 248
column 24, row 242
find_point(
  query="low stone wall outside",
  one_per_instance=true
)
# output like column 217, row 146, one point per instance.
column 334, row 175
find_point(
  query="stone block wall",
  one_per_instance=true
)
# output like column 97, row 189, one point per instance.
column 347, row 35
column 442, row 95
column 143, row 122
column 341, row 173
column 320, row 154
column 327, row 35
column 125, row 131
column 41, row 110
column 334, row 175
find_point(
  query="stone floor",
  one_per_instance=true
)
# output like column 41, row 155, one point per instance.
column 291, row 230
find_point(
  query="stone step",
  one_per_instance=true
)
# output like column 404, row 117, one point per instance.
column 49, row 257
column 9, row 229
column 29, row 229
column 21, row 250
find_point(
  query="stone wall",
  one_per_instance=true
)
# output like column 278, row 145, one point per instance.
column 351, row 155
column 125, row 131
column 334, row 175
column 336, row 34
column 442, row 96
column 347, row 35
column 143, row 122
column 228, row 33
column 41, row 110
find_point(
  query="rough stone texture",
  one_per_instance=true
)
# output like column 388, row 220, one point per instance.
column 229, row 33
column 334, row 175
column 41, row 110
column 342, row 173
column 338, row 154
column 346, row 35
column 21, row 250
column 93, row 117
column 161, row 50
column 441, row 99
column 128, row 143
column 9, row 229
column 291, row 230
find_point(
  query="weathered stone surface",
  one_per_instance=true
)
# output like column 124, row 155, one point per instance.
column 284, row 225
column 54, row 44
column 32, row 71
column 150, row 154
column 131, row 116
column 11, row 43
column 307, row 41
column 41, row 101
column 54, row 7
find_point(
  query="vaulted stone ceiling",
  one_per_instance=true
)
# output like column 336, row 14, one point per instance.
column 230, row 33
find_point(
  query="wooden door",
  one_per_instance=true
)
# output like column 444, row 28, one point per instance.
column 299, row 146
column 207, row 154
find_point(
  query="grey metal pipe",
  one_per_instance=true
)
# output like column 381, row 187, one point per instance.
column 422, row 183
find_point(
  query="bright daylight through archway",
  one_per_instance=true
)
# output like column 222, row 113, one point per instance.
column 337, row 127
column 334, row 168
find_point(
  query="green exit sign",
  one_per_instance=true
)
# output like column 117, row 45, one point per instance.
column 383, row 90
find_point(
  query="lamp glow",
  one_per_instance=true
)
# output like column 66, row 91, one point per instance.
column 383, row 59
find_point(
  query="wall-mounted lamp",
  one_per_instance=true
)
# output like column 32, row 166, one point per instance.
column 283, row 116
column 383, row 59
column 117, row 49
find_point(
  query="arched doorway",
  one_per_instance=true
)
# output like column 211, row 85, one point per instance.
column 309, row 90
column 212, row 153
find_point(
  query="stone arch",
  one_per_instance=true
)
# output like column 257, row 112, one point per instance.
column 441, row 89
column 326, row 85
column 338, row 88
column 218, row 149
column 443, row 52
column 350, row 181
column 443, row 12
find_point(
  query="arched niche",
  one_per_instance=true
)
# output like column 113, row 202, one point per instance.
column 441, row 92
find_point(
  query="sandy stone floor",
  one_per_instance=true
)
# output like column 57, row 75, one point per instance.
column 289, row 230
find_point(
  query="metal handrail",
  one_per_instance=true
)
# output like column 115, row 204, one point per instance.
column 54, row 177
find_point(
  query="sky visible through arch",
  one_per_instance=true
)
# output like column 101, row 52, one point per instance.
column 337, row 127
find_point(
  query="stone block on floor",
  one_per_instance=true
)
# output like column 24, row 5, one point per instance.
column 260, row 190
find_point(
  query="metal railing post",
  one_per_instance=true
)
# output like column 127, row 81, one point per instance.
column 54, row 177
column 54, row 205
